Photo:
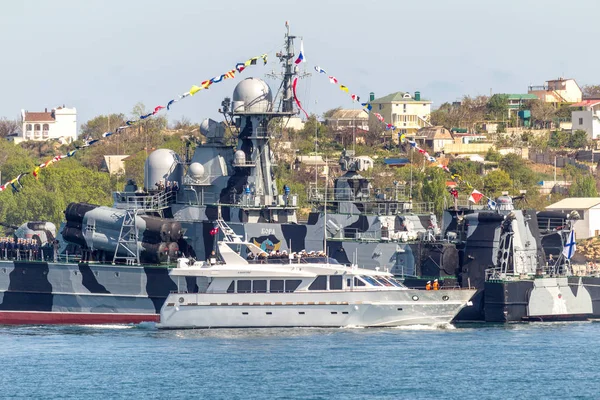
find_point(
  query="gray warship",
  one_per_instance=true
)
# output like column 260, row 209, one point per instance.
column 115, row 260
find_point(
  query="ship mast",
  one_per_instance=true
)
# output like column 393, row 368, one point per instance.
column 286, row 57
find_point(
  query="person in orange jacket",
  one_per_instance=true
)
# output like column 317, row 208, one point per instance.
column 428, row 285
column 436, row 285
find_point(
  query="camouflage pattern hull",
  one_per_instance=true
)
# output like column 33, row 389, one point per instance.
column 55, row 293
column 543, row 299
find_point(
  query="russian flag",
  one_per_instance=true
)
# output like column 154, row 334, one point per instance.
column 301, row 55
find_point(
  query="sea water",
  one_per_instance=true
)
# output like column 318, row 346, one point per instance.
column 519, row 361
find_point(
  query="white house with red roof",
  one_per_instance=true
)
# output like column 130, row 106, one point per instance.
column 58, row 123
column 586, row 117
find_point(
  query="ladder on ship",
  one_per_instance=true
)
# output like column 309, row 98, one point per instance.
column 228, row 233
column 128, row 240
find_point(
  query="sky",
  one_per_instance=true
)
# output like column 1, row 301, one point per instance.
column 106, row 56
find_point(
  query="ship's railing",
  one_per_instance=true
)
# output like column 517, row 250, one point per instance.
column 549, row 224
column 144, row 201
column 330, row 194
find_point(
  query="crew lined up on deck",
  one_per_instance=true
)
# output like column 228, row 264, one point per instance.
column 27, row 250
column 168, row 186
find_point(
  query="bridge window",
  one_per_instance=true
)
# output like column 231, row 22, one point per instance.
column 335, row 282
column 382, row 280
column 292, row 284
column 259, row 286
column 276, row 286
column 358, row 282
column 320, row 283
column 244, row 286
column 231, row 288
column 371, row 281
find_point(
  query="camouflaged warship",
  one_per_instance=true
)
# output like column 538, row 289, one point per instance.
column 517, row 261
column 114, row 261
column 121, row 270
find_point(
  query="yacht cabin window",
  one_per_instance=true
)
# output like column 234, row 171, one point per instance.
column 292, row 284
column 276, row 286
column 231, row 288
column 244, row 286
column 320, row 283
column 335, row 282
column 259, row 286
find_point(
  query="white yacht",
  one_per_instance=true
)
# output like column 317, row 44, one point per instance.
column 240, row 294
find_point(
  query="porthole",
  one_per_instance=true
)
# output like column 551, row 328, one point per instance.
column 96, row 273
column 74, row 272
column 445, row 298
column 24, row 272
column 4, row 270
column 117, row 274
column 415, row 297
column 181, row 299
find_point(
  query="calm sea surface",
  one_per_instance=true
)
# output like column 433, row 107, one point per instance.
column 541, row 361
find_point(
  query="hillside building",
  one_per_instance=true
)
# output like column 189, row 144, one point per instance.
column 586, row 117
column 556, row 91
column 406, row 112
column 59, row 123
column 589, row 211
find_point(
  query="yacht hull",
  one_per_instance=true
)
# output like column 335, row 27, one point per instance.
column 367, row 309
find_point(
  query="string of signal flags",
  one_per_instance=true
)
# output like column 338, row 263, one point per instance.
column 16, row 183
column 475, row 196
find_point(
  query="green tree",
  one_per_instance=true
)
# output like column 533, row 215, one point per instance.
column 522, row 176
column 497, row 106
column 583, row 186
column 578, row 139
column 493, row 155
column 559, row 139
column 496, row 182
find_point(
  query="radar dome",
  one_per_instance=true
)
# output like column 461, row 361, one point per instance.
column 196, row 170
column 240, row 157
column 252, row 95
column 204, row 127
column 162, row 165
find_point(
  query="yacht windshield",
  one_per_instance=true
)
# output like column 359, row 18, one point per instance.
column 383, row 281
column 370, row 280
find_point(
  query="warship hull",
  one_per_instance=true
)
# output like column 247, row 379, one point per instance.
column 83, row 293
column 543, row 299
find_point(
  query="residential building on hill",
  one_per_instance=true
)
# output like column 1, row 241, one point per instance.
column 406, row 112
column 586, row 117
column 517, row 102
column 59, row 123
column 342, row 119
column 436, row 137
column 560, row 90
column 589, row 211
